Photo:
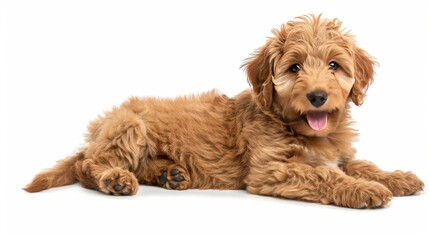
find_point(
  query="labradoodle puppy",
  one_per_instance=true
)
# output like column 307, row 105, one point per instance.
column 289, row 136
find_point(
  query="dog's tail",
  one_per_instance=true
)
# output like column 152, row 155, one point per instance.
column 60, row 175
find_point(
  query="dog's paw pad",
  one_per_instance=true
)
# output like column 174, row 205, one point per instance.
column 118, row 187
column 163, row 178
column 173, row 185
column 117, row 181
column 177, row 178
column 174, row 172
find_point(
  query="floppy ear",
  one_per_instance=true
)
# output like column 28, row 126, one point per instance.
column 259, row 69
column 364, row 74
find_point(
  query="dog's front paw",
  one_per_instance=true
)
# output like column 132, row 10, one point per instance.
column 402, row 183
column 362, row 194
column 117, row 181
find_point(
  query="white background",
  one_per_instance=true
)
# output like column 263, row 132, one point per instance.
column 64, row 62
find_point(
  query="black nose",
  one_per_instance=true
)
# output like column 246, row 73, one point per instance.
column 317, row 99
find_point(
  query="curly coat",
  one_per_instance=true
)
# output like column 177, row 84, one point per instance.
column 289, row 136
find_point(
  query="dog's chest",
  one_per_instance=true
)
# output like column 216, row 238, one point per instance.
column 322, row 156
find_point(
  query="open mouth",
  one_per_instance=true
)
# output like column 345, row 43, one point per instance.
column 317, row 120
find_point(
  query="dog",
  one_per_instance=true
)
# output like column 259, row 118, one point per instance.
column 287, row 136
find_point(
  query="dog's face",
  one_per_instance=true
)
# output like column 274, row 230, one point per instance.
column 308, row 72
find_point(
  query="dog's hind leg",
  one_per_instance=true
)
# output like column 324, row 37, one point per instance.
column 175, row 177
column 117, row 145
column 399, row 182
column 99, row 175
column 165, row 173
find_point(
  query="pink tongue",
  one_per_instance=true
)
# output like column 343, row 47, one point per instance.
column 317, row 120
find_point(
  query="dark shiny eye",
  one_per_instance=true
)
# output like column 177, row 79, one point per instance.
column 295, row 68
column 333, row 65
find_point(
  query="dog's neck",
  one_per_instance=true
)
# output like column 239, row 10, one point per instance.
column 330, row 150
column 333, row 149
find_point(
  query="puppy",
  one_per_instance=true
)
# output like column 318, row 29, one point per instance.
column 289, row 136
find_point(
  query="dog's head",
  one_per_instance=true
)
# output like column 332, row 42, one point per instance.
column 308, row 72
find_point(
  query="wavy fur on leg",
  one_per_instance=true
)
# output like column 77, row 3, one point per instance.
column 399, row 182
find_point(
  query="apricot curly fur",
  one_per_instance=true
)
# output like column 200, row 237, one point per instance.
column 289, row 136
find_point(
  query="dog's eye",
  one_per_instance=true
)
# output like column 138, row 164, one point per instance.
column 333, row 65
column 295, row 68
